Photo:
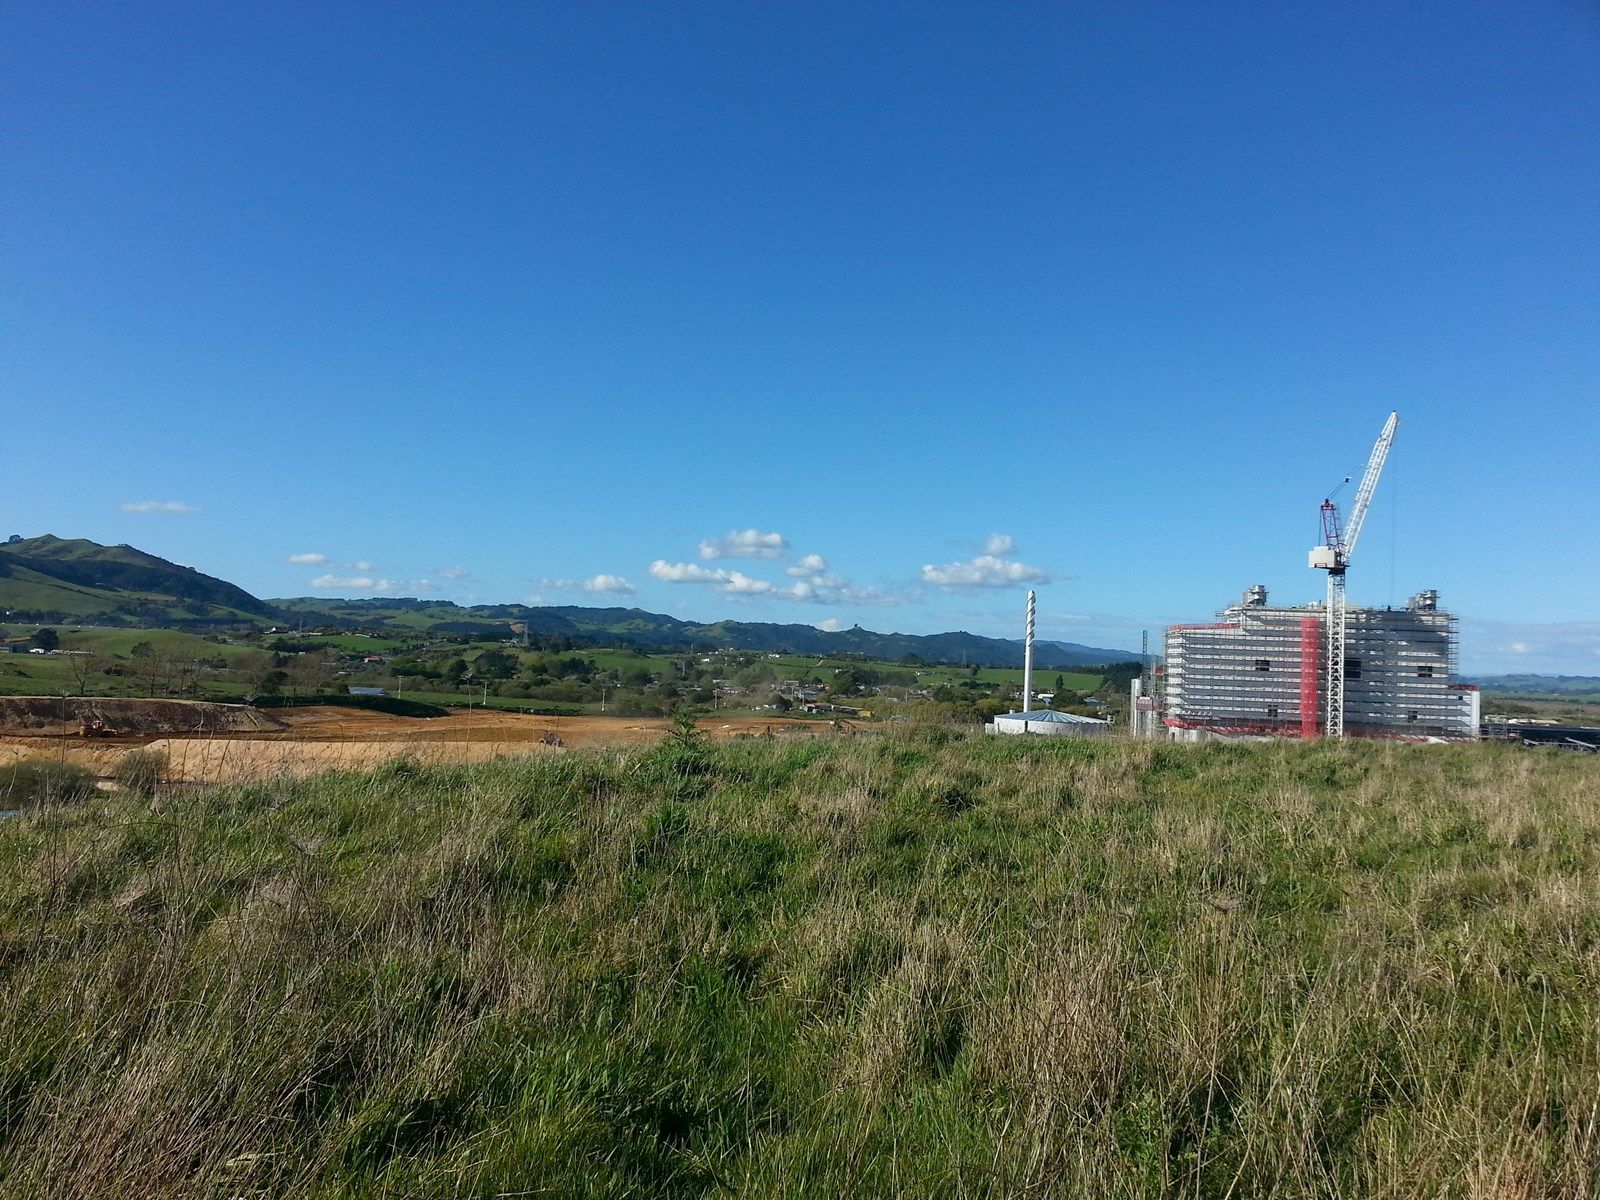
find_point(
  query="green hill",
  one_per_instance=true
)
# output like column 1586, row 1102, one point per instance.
column 641, row 627
column 52, row 579
column 57, row 579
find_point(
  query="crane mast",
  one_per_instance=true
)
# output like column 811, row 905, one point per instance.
column 1333, row 556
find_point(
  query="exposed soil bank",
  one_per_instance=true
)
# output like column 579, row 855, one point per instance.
column 52, row 716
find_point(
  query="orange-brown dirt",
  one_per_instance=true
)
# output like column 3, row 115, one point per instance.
column 111, row 716
column 315, row 739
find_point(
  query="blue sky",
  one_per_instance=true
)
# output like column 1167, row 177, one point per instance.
column 650, row 303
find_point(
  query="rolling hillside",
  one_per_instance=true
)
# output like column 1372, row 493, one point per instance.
column 59, row 579
column 637, row 625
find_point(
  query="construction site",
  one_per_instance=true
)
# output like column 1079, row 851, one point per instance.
column 1316, row 670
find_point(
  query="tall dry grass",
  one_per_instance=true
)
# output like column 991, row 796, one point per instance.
column 920, row 964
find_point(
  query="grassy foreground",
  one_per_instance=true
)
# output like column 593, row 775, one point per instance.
column 921, row 964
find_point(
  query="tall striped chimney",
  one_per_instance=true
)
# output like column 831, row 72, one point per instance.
column 1027, row 660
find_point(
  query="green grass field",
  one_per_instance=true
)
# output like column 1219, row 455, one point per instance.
column 913, row 965
column 795, row 666
column 171, row 642
column 1575, row 710
column 54, row 674
column 29, row 591
column 51, row 675
column 1077, row 681
column 344, row 643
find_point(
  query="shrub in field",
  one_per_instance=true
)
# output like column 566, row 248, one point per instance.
column 677, row 766
column 31, row 784
column 142, row 771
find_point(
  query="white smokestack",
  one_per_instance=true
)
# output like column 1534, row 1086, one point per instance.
column 1027, row 659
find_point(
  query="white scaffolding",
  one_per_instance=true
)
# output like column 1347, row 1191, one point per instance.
column 1260, row 670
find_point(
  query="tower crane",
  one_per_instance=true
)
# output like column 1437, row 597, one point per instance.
column 1333, row 556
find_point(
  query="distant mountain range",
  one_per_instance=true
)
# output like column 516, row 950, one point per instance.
column 637, row 625
column 50, row 579
column 1539, row 685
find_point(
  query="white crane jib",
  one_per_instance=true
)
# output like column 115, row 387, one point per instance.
column 1333, row 556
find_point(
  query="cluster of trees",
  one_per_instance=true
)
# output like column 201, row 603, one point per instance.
column 160, row 672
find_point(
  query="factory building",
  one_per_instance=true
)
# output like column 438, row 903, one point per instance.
column 1259, row 670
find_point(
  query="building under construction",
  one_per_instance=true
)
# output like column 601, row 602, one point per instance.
column 1317, row 669
column 1260, row 670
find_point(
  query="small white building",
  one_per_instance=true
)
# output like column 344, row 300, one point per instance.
column 1049, row 723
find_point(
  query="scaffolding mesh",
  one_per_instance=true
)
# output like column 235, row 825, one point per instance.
column 1249, row 673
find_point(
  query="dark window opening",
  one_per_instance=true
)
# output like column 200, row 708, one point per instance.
column 1411, row 716
column 1352, row 668
column 1272, row 712
column 1263, row 664
column 1425, row 670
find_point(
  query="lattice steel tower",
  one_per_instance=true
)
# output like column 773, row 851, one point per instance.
column 1333, row 556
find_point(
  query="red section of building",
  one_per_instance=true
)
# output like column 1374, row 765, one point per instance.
column 1310, row 676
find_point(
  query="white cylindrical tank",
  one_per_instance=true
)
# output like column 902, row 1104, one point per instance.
column 1046, row 722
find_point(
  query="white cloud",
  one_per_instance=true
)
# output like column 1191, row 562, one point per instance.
column 831, row 625
column 865, row 595
column 745, row 543
column 602, row 584
column 815, row 589
column 309, row 560
column 729, row 582
column 614, row 585
column 364, row 566
column 993, row 568
column 811, row 564
column 171, row 508
column 986, row 570
column 740, row 583
column 452, row 572
column 684, row 572
column 367, row 583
